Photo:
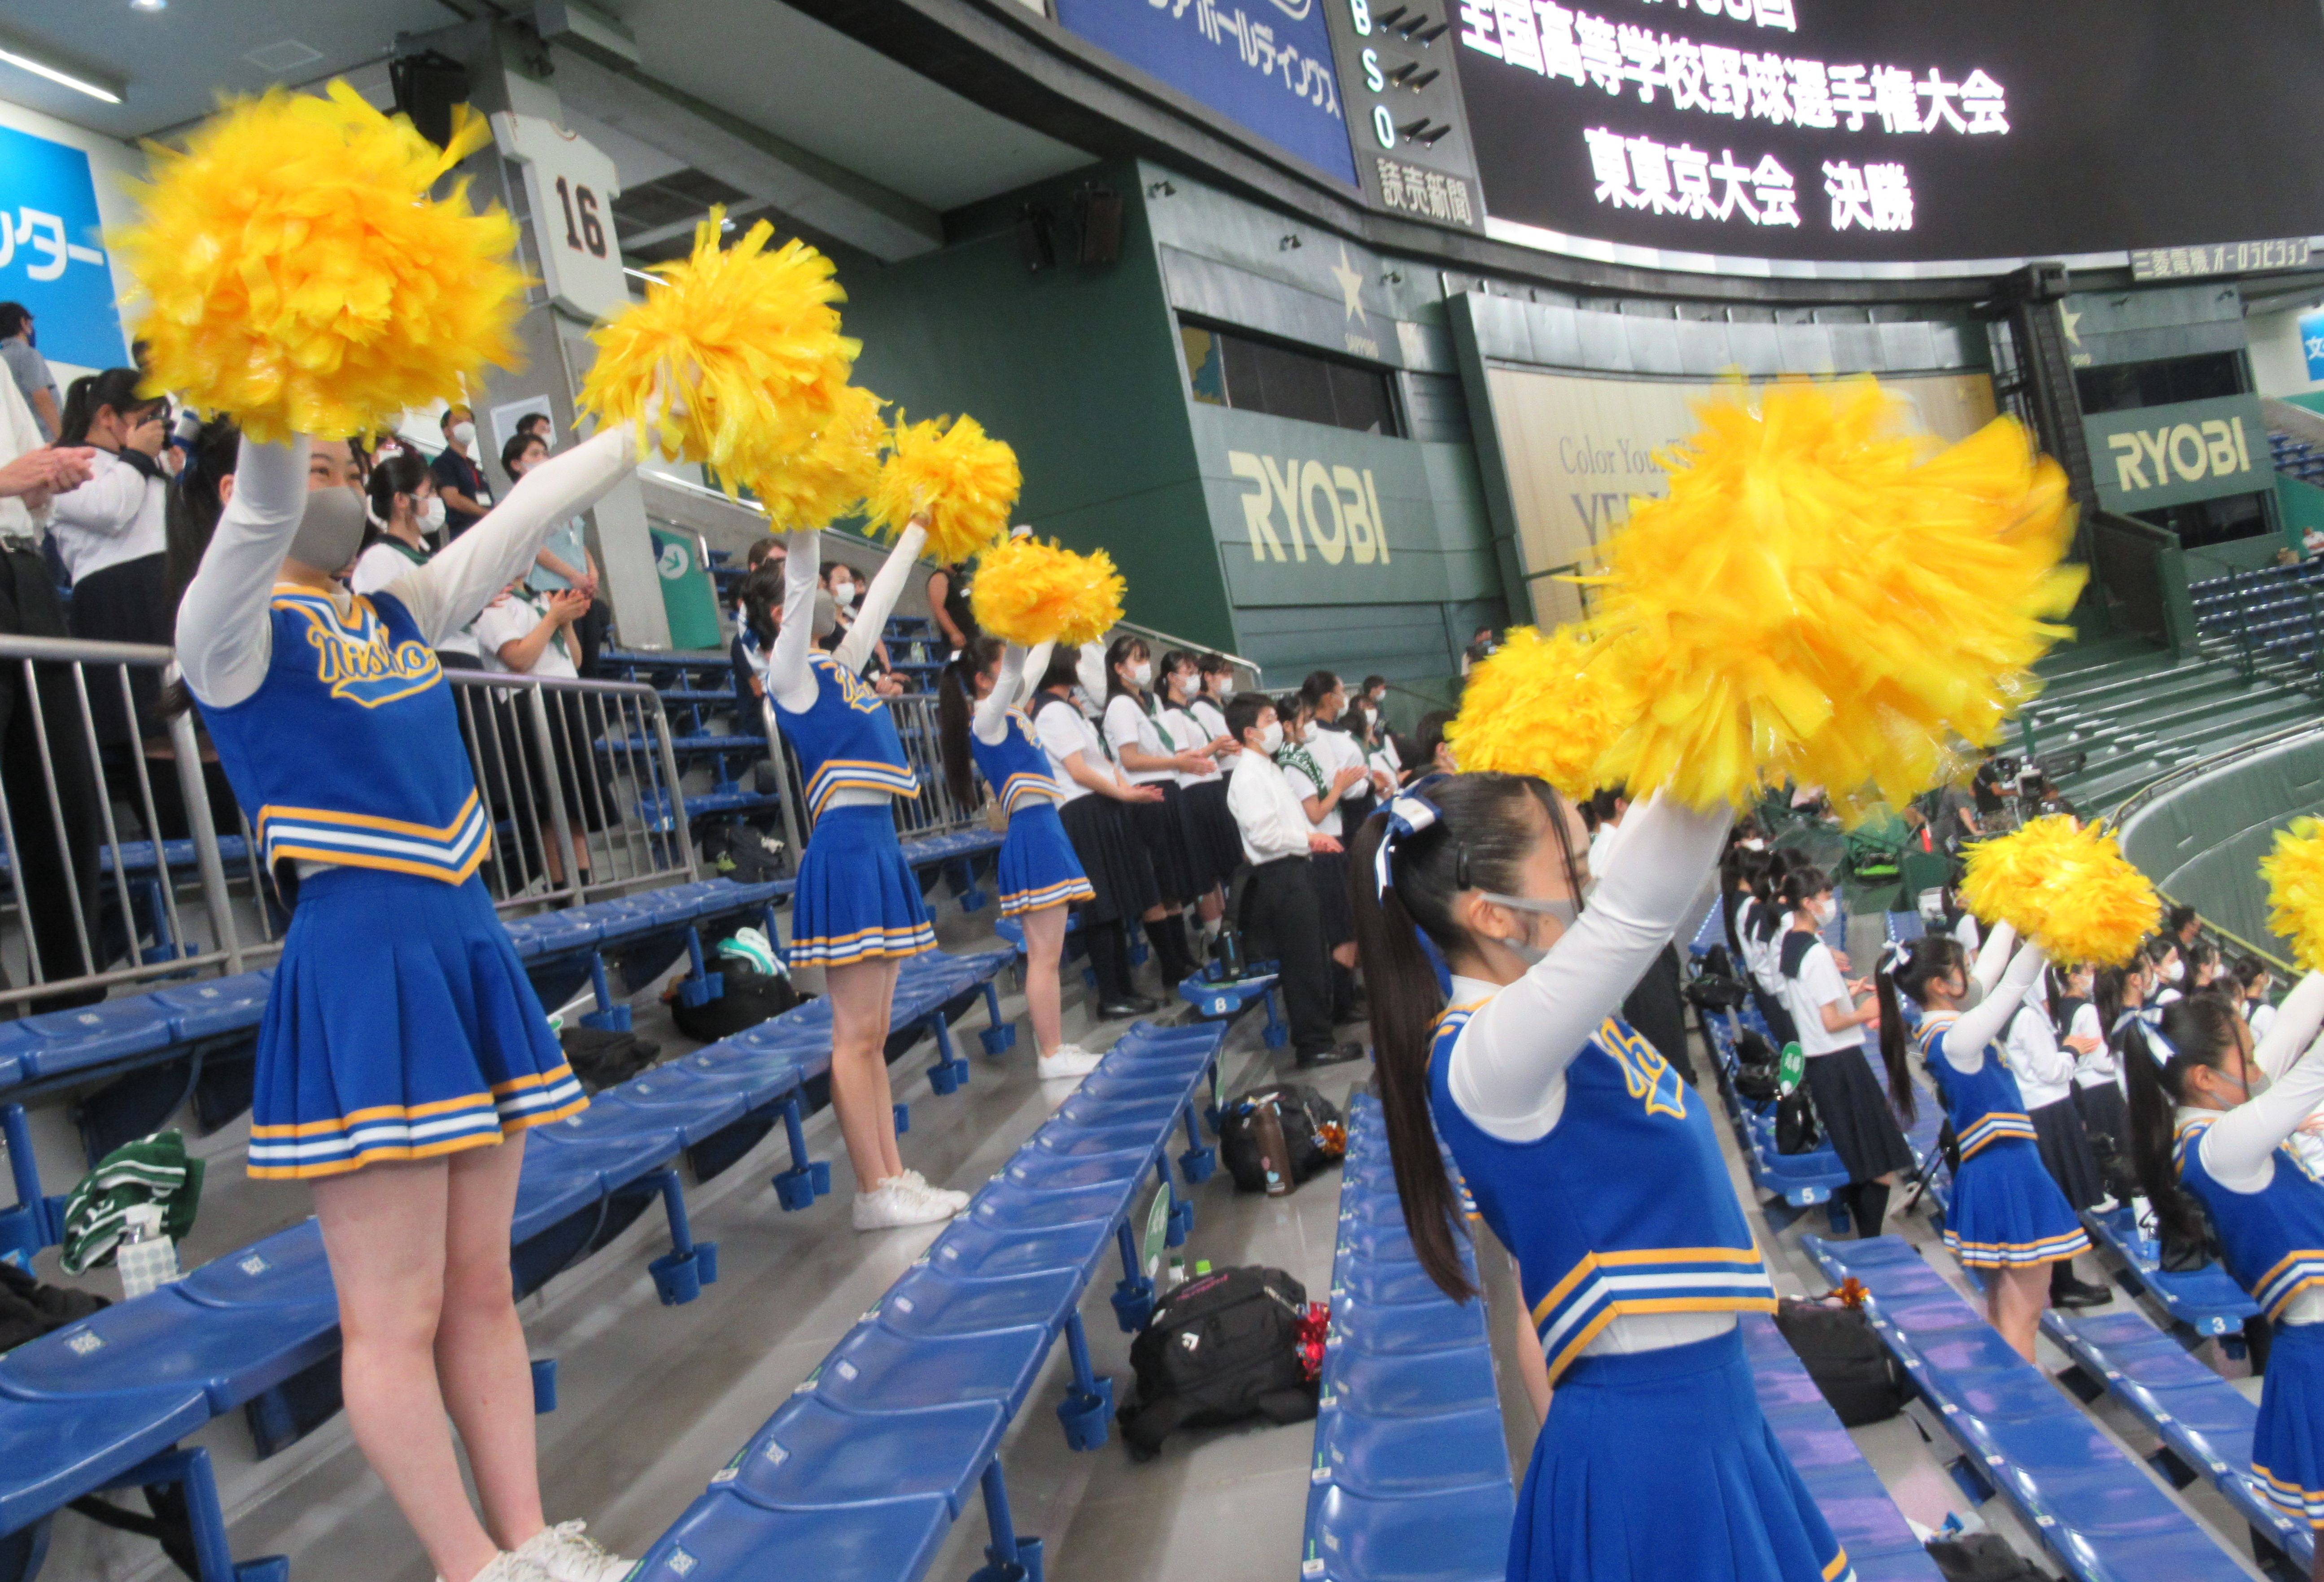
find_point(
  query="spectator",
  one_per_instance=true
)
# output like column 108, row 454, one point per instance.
column 112, row 533
column 1375, row 692
column 536, row 426
column 28, row 608
column 760, row 612
column 29, row 369
column 564, row 561
column 1434, row 752
column 2183, row 924
column 1279, row 902
column 842, row 588
column 1481, row 647
column 1988, row 790
column 405, row 512
column 532, row 633
column 459, row 478
column 947, row 593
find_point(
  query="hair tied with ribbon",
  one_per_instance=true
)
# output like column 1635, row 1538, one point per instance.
column 1896, row 953
column 1407, row 814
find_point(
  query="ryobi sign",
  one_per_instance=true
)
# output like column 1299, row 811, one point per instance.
column 2147, row 456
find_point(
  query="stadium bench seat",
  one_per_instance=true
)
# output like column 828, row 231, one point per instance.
column 2206, row 1302
column 2093, row 1507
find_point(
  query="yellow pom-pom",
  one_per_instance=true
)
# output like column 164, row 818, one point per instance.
column 1814, row 602
column 294, row 272
column 830, row 477
column 1540, row 706
column 1030, row 592
column 2066, row 887
column 963, row 479
column 740, row 345
column 2294, row 870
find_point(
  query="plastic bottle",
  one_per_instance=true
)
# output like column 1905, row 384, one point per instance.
column 1274, row 1155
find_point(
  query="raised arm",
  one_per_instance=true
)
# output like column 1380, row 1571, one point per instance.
column 1993, row 957
column 992, row 720
column 1036, row 665
column 854, row 650
column 1508, row 1069
column 1966, row 1038
column 789, row 680
column 452, row 589
column 224, row 637
column 2240, row 1144
column 2297, row 1021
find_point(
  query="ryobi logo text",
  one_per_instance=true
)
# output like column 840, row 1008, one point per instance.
column 2151, row 459
column 1333, row 510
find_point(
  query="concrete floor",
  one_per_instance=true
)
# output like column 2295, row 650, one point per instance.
column 653, row 1399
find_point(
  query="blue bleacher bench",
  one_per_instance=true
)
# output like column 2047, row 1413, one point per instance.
column 2095, row 1509
column 865, row 1469
column 2206, row 1302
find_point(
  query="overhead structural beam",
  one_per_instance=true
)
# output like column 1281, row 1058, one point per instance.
column 810, row 188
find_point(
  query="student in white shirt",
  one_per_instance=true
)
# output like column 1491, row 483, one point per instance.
column 2045, row 1072
column 2252, row 983
column 406, row 515
column 525, row 632
column 113, row 536
column 1217, row 690
column 1830, row 1014
column 1152, row 755
column 1324, row 780
column 1280, row 839
column 1095, row 799
column 1211, row 838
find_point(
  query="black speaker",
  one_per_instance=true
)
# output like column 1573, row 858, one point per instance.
column 1097, row 212
column 1036, row 244
column 426, row 85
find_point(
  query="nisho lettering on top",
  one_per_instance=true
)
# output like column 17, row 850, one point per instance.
column 1295, row 508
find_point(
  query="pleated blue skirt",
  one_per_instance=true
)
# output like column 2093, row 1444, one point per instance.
column 1036, row 866
column 400, row 1026
column 857, row 898
column 2288, row 1442
column 2008, row 1213
column 1658, row 1466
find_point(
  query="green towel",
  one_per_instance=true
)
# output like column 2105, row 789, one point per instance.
column 152, row 1169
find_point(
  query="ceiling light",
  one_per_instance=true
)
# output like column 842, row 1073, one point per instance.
column 149, row 4
column 96, row 90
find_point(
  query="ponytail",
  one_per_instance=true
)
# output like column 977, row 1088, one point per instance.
column 1905, row 970
column 2196, row 1031
column 955, row 695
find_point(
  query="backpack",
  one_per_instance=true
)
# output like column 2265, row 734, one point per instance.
column 750, row 998
column 1220, row 1349
column 1311, row 1131
column 1982, row 1557
column 1838, row 1345
column 1796, row 1131
column 602, row 1060
column 739, row 853
column 30, row 1309
column 1755, row 1067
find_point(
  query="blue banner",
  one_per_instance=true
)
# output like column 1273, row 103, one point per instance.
column 1263, row 64
column 51, row 256
column 2311, row 344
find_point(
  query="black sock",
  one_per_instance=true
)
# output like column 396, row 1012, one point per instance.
column 1108, row 954
column 1167, row 935
column 1870, row 1207
column 2061, row 1275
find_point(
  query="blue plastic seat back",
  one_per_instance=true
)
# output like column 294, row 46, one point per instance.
column 1004, row 1206
column 55, row 1451
column 724, row 1538
column 929, row 1301
column 698, row 1105
column 876, row 1369
column 974, row 1251
column 618, row 1159
column 225, row 1005
column 1428, row 1326
column 62, row 1042
column 230, row 1354
column 1396, row 1457
column 811, row 1456
column 1459, row 1536
column 287, row 1269
column 1415, row 1384
column 1037, row 1167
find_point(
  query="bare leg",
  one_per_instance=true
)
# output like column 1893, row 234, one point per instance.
column 862, row 996
column 2013, row 1300
column 1213, row 906
column 480, row 1350
column 384, row 1230
column 1045, row 948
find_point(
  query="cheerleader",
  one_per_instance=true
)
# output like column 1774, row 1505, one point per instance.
column 1211, row 839
column 2044, row 1069
column 1830, row 1014
column 1039, row 877
column 1592, row 1164
column 2008, row 1217
column 857, row 912
column 1095, row 799
column 2214, row 1118
column 1150, row 755
column 401, row 1040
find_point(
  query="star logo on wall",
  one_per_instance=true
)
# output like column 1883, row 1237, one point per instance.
column 1351, row 286
column 2072, row 322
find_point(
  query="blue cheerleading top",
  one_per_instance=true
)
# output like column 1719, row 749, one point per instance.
column 350, row 750
column 1623, row 1207
column 847, row 740
column 1015, row 766
column 2271, row 1241
column 1984, row 1104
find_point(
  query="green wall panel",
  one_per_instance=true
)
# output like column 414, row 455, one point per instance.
column 2201, row 841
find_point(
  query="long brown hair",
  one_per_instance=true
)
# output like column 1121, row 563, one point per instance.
column 1916, row 964
column 1480, row 839
column 2199, row 1030
column 956, row 704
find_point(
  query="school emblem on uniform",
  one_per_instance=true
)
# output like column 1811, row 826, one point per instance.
column 362, row 662
column 1649, row 1076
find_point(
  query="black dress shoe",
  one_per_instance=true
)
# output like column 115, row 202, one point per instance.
column 1144, row 1005
column 1337, row 1055
column 1114, row 1010
column 2076, row 1293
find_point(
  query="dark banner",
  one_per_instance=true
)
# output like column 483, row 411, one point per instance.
column 1897, row 129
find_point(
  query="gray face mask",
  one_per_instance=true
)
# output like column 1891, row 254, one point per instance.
column 331, row 531
column 1525, row 950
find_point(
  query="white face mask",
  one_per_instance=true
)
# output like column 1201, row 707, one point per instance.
column 2176, row 970
column 844, row 595
column 430, row 512
column 1142, row 673
column 463, row 434
column 1226, row 689
column 1270, row 740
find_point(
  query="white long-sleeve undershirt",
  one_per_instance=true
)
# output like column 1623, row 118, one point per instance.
column 225, row 639
column 1968, row 1033
column 990, row 723
column 790, row 678
column 1508, row 1071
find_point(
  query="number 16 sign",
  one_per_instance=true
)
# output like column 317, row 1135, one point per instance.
column 570, row 186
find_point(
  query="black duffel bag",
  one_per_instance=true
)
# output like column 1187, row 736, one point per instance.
column 1220, row 1349
column 1313, row 1134
column 1843, row 1353
column 750, row 997
column 1758, row 1073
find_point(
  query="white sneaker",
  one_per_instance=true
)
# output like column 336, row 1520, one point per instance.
column 893, row 1204
column 1067, row 1059
column 515, row 1567
column 563, row 1554
column 915, row 1181
column 2105, row 1205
